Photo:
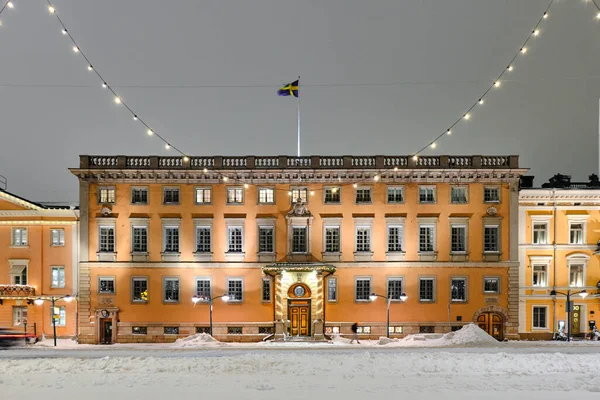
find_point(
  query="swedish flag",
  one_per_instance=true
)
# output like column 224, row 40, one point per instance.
column 291, row 89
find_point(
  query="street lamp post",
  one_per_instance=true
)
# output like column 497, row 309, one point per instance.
column 39, row 301
column 583, row 293
column 388, row 299
column 197, row 299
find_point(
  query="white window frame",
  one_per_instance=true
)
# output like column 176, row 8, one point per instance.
column 58, row 268
column 23, row 239
column 139, row 279
column 395, row 188
column 140, row 223
column 544, row 229
column 359, row 188
column 363, row 278
column 235, row 223
column 331, row 225
column 578, row 219
column 394, row 223
column 164, row 194
column 427, row 222
column 166, row 279
column 335, row 299
column 60, row 233
column 268, row 280
column 466, row 281
column 235, row 279
column 338, row 192
column 62, row 315
column 19, row 315
column 433, row 290
column 498, row 279
column 298, row 189
column 204, row 190
column 17, row 266
column 265, row 227
column 142, row 188
column 540, row 261
column 196, row 293
column 577, row 259
column 464, row 224
column 203, row 223
column 498, row 190
column 545, row 328
column 540, row 220
column 461, row 187
column 544, row 274
column 369, row 229
column 108, row 189
column 427, row 187
column 498, row 242
column 306, row 239
column 107, row 223
column 171, row 223
column 387, row 287
column 236, row 190
column 266, row 191
column 107, row 278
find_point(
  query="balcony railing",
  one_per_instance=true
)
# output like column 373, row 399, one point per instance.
column 295, row 163
column 17, row 290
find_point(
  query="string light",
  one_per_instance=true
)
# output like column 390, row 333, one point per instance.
column 225, row 179
column 186, row 158
column 149, row 132
column 76, row 49
column 497, row 84
column 376, row 178
column 51, row 9
column 467, row 116
column 523, row 50
column 355, row 185
column 395, row 169
column 536, row 32
column 312, row 192
column 433, row 145
column 135, row 118
column 104, row 85
column 10, row 4
column 480, row 102
column 246, row 186
column 449, row 132
column 598, row 16
column 334, row 190
column 167, row 146
column 415, row 157
column 90, row 68
column 117, row 100
column 510, row 68
column 64, row 31
column 545, row 16
column 205, row 170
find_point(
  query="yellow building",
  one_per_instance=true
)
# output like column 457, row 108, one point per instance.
column 559, row 227
column 38, row 259
column 298, row 244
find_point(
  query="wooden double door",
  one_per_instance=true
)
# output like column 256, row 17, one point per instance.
column 299, row 313
column 493, row 324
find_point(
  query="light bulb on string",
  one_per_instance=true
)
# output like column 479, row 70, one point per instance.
column 312, row 192
column 523, row 50
column 395, row 168
column 117, row 100
column 433, row 145
column 376, row 178
column 509, row 68
column 225, row 179
column 598, row 16
column 167, row 146
column 104, row 85
column 186, row 158
column 355, row 185
column 90, row 68
column 449, row 132
column 545, row 16
column 334, row 190
column 246, row 186
column 497, row 84
column 10, row 4
column 149, row 132
column 135, row 118
column 536, row 32
column 205, row 170
column 467, row 116
column 480, row 102
column 75, row 49
column 64, row 31
column 289, row 193
column 51, row 9
column 0, row 22
column 415, row 157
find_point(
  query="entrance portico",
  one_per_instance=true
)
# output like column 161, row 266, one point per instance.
column 299, row 307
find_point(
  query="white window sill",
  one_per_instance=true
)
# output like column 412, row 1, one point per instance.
column 395, row 255
column 540, row 329
column 266, row 257
column 427, row 256
column 331, row 256
column 203, row 257
column 170, row 256
column 235, row 257
column 363, row 256
column 18, row 246
column 106, row 256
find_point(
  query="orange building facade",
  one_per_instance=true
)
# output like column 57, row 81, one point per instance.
column 298, row 246
column 38, row 261
column 559, row 245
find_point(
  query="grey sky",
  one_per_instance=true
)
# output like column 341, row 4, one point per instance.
column 444, row 51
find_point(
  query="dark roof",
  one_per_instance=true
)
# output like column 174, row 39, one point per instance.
column 45, row 206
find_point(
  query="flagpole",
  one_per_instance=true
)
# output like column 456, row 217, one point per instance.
column 298, row 115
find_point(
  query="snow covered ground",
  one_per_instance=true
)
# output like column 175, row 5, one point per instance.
column 467, row 366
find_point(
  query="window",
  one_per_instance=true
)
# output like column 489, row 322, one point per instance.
column 491, row 285
column 395, row 195
column 266, row 290
column 426, row 289
column 458, row 195
column 394, row 288
column 235, row 289
column 19, row 236
column 299, row 193
column 332, row 289
column 203, row 196
column 539, row 275
column 19, row 274
column 394, row 238
column 540, row 233
column 491, row 239
column 234, row 239
column 19, row 316
column 106, row 195
column 576, row 233
column 60, row 315
column 426, row 194
column 140, row 239
column 459, row 238
column 332, row 195
column 265, row 239
column 576, row 277
column 203, row 289
column 203, row 239
column 234, row 330
column 426, row 329
column 139, row 289
column 458, row 287
column 362, row 289
column 235, row 196
column 107, row 239
column 332, row 239
column 171, row 290
column 539, row 317
column 171, row 239
column 203, row 329
column 332, row 330
column 106, row 285
column 363, row 239
column 363, row 196
column 170, row 195
column 491, row 195
column 57, row 237
column 171, row 330
column 265, row 330
column 395, row 329
column 139, row 330
column 139, row 195
column 366, row 330
column 426, row 238
column 266, row 196
column 299, row 240
column 58, row 277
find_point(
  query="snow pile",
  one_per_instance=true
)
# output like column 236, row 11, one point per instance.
column 197, row 340
column 339, row 340
column 468, row 335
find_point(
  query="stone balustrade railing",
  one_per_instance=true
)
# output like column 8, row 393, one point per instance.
column 307, row 162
